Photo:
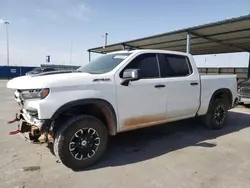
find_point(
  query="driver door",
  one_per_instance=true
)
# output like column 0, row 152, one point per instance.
column 143, row 102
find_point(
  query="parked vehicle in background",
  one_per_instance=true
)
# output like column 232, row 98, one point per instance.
column 118, row 92
column 244, row 92
column 39, row 70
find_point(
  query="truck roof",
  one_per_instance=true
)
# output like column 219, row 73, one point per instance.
column 150, row 51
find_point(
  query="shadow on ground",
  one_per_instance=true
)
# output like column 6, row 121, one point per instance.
column 246, row 105
column 144, row 144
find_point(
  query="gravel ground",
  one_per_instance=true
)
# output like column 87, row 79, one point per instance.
column 182, row 154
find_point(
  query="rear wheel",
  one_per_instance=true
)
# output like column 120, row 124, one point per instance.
column 81, row 142
column 216, row 116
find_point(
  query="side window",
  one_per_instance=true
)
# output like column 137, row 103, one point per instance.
column 148, row 65
column 174, row 65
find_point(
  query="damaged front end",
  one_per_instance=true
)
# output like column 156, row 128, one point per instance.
column 28, row 127
column 32, row 128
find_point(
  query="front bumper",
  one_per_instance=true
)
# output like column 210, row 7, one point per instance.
column 41, row 125
column 244, row 99
column 244, row 94
column 30, row 126
column 29, row 113
column 33, row 129
column 32, row 120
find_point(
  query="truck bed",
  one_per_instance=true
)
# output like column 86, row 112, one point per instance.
column 211, row 83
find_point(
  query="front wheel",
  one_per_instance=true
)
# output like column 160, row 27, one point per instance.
column 216, row 116
column 80, row 142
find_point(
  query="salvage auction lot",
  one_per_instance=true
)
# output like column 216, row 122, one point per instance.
column 183, row 154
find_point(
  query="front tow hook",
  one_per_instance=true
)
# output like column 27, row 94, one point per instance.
column 17, row 118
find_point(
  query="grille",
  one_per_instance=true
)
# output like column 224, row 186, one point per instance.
column 245, row 90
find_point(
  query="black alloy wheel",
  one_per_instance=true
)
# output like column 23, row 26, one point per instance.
column 84, row 143
column 216, row 116
column 219, row 114
column 80, row 142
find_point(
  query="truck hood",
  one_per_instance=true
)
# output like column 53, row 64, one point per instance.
column 50, row 80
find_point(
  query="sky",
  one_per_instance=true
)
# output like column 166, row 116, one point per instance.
column 55, row 27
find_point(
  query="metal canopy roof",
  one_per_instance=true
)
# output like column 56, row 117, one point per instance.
column 232, row 35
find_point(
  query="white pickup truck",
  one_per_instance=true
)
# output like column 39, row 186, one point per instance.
column 117, row 92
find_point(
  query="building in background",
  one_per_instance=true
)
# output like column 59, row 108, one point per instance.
column 13, row 71
column 7, row 72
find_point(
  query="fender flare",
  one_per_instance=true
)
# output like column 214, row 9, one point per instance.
column 222, row 90
column 99, row 102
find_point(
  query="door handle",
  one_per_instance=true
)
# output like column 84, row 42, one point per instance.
column 194, row 84
column 159, row 86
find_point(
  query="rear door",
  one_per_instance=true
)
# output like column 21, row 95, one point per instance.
column 182, row 85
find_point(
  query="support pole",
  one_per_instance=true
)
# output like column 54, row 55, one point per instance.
column 7, row 43
column 248, row 71
column 106, row 39
column 70, row 52
column 188, row 43
column 123, row 47
column 89, row 56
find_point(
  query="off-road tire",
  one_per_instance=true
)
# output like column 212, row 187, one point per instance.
column 209, row 118
column 65, row 133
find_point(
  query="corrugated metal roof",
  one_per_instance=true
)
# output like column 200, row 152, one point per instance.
column 231, row 35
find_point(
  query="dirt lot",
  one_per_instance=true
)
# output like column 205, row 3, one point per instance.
column 182, row 154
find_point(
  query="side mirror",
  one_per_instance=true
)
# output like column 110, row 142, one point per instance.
column 130, row 75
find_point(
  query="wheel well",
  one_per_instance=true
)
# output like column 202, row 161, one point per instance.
column 100, row 112
column 223, row 94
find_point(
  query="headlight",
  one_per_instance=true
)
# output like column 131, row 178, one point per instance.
column 35, row 94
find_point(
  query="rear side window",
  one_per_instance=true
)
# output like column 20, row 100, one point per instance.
column 148, row 65
column 174, row 65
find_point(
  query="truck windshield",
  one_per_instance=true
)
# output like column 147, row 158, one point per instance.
column 104, row 63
